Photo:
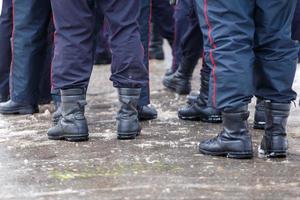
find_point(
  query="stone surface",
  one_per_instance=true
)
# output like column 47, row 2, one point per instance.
column 163, row 163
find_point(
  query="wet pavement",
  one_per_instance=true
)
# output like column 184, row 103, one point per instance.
column 162, row 163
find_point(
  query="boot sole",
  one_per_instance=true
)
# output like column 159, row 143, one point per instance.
column 211, row 119
column 235, row 155
column 272, row 154
column 178, row 90
column 147, row 118
column 20, row 111
column 128, row 136
column 259, row 125
column 70, row 138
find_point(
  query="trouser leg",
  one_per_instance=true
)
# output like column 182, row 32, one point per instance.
column 5, row 46
column 276, row 53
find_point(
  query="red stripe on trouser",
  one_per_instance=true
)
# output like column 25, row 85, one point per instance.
column 211, row 56
column 149, row 36
column 12, row 48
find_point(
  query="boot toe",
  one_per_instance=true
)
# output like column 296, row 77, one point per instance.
column 147, row 112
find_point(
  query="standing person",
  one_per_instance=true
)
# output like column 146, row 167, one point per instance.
column 73, row 61
column 5, row 46
column 31, row 56
column 239, row 35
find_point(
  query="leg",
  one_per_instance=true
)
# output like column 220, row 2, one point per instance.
column 191, row 47
column 45, row 79
column 129, row 74
column 5, row 46
column 276, row 60
column 31, row 20
column 72, row 65
column 146, row 111
column 228, row 29
column 163, row 18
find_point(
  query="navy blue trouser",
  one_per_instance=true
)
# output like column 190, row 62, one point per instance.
column 74, row 43
column 5, row 47
column 296, row 25
column 163, row 19
column 102, row 37
column 191, row 38
column 239, row 35
column 31, row 51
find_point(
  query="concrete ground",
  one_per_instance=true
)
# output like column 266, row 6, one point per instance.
column 163, row 163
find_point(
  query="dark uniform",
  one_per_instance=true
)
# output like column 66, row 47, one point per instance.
column 102, row 49
column 296, row 25
column 5, row 46
column 163, row 16
column 31, row 58
column 239, row 35
column 187, row 48
column 73, row 62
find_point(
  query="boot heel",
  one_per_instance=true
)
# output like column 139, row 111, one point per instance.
column 272, row 154
column 240, row 155
column 77, row 138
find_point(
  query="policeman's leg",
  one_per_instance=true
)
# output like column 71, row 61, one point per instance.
column 197, row 109
column 145, row 110
column 72, row 65
column 5, row 46
column 191, row 47
column 276, row 60
column 45, row 78
column 162, row 17
column 129, row 74
column 228, row 30
column 31, row 19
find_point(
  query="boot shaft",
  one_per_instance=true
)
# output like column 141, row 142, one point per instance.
column 204, row 87
column 236, row 121
column 128, row 98
column 73, row 102
column 128, row 126
column 276, row 115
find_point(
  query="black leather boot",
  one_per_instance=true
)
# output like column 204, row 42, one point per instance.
column 147, row 112
column 234, row 141
column 12, row 107
column 259, row 116
column 73, row 125
column 128, row 126
column 170, row 71
column 274, row 142
column 192, row 97
column 198, row 109
column 180, row 81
